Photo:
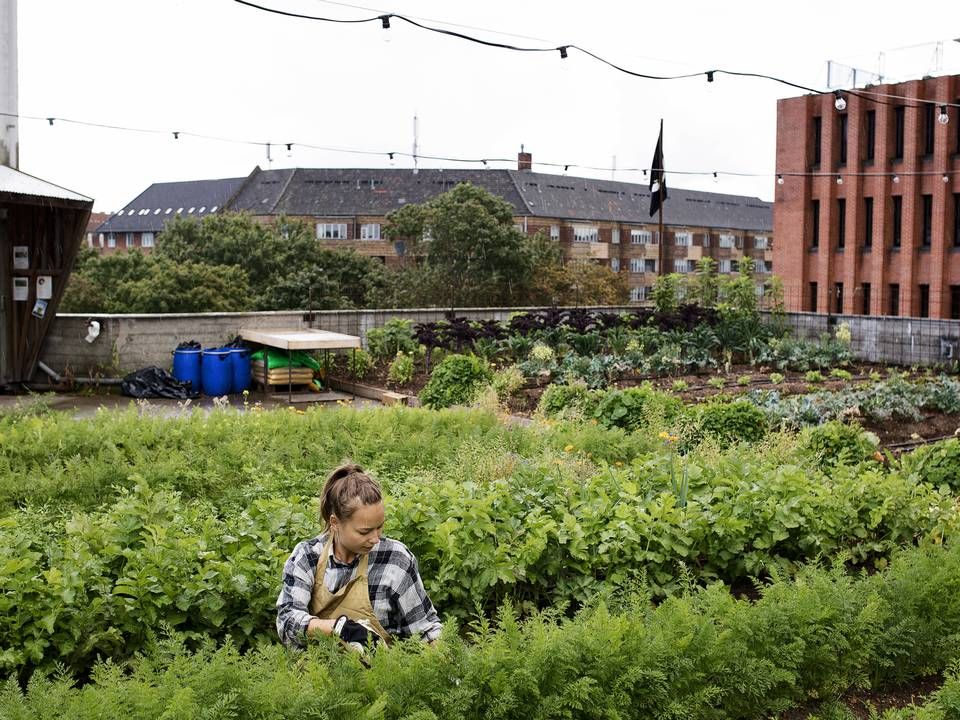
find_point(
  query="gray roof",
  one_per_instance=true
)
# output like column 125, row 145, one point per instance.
column 575, row 198
column 161, row 202
column 332, row 192
column 348, row 192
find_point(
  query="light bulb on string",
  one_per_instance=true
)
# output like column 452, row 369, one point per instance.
column 839, row 103
column 943, row 118
column 896, row 179
column 945, row 178
column 839, row 179
column 715, row 177
column 779, row 179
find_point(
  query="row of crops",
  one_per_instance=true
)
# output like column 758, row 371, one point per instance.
column 586, row 565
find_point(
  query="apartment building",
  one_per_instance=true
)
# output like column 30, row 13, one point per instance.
column 867, row 201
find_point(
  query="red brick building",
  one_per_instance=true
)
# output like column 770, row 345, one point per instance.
column 867, row 204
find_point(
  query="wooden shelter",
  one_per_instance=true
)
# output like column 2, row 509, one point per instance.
column 41, row 228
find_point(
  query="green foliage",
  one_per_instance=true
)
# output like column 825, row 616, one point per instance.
column 571, row 400
column 359, row 363
column 717, row 383
column 704, row 654
column 937, row 464
column 776, row 378
column 506, row 382
column 813, row 376
column 835, row 443
column 665, row 293
column 636, row 407
column 455, row 381
column 400, row 372
column 744, row 380
column 679, row 386
column 841, row 374
column 705, row 290
column 394, row 336
column 732, row 422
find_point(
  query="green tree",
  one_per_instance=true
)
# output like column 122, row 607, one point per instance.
column 666, row 293
column 705, row 288
column 188, row 287
column 467, row 234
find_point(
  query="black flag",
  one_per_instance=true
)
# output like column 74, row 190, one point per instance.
column 658, row 178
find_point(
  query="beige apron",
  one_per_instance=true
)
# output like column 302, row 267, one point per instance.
column 352, row 600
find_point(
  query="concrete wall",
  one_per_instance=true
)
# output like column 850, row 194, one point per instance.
column 884, row 339
column 129, row 342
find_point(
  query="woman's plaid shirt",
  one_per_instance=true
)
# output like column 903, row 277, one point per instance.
column 397, row 594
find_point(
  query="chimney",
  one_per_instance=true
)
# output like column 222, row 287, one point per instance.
column 9, row 145
column 524, row 160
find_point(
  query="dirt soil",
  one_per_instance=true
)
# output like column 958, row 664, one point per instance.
column 865, row 704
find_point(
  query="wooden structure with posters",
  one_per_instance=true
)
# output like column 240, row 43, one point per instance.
column 41, row 228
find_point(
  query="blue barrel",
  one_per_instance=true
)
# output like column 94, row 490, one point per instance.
column 240, row 361
column 217, row 371
column 186, row 367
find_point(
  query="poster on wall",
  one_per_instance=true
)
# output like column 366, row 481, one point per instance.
column 21, row 289
column 21, row 257
column 44, row 287
column 39, row 309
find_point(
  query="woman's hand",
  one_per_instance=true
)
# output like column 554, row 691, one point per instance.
column 320, row 627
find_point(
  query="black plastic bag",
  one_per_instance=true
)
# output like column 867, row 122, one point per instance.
column 154, row 382
column 237, row 342
column 189, row 345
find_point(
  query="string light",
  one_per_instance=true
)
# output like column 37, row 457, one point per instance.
column 839, row 103
column 779, row 179
column 943, row 118
column 385, row 19
column 896, row 179
column 839, row 180
column 946, row 178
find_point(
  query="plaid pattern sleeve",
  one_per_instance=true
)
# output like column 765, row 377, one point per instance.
column 396, row 590
column 295, row 592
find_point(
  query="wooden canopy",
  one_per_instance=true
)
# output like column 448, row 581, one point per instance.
column 41, row 228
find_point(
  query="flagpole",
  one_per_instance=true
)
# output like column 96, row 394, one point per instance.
column 663, row 180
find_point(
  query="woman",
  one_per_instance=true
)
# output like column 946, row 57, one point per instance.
column 351, row 582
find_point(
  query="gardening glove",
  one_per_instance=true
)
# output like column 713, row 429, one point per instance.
column 356, row 635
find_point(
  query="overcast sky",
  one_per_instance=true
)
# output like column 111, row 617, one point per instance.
column 218, row 68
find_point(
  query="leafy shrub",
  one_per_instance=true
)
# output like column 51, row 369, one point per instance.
column 937, row 464
column 568, row 400
column 542, row 355
column 732, row 422
column 813, row 376
column 395, row 336
column 455, row 381
column 838, row 443
column 507, row 381
column 679, row 386
column 359, row 363
column 776, row 378
column 744, row 380
column 636, row 407
column 400, row 371
column 841, row 374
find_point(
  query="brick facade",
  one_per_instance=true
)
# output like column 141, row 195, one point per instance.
column 910, row 172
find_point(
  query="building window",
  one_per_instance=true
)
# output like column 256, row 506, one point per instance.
column 554, row 232
column 812, row 299
column 927, row 236
column 128, row 239
column 615, row 236
column 817, row 137
column 682, row 265
column 726, row 241
column 684, row 239
column 615, row 264
column 924, row 301
column 764, row 267
column 761, row 242
column 650, row 266
column 815, row 225
column 867, row 223
column 641, row 237
column 956, row 218
column 585, row 234
column 146, row 239
column 841, row 224
column 332, row 231
column 870, row 135
column 897, row 220
column 929, row 118
column 955, row 302
column 844, row 125
column 865, row 294
column 724, row 266
column 898, row 117
column 370, row 231
column 636, row 265
column 100, row 236
column 893, row 307
column 111, row 240
column 838, row 297
column 638, row 294
column 706, row 240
